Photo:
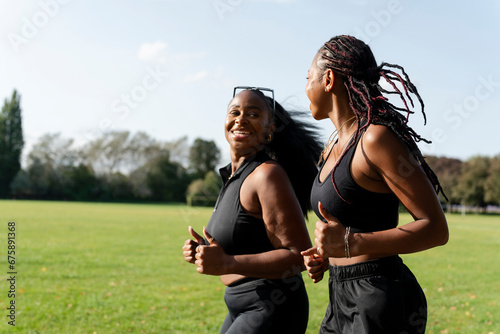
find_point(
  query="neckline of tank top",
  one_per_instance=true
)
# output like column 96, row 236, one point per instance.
column 242, row 167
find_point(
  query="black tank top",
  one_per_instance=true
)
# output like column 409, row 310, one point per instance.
column 237, row 231
column 363, row 210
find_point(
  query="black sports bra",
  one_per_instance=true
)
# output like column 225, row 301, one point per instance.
column 361, row 209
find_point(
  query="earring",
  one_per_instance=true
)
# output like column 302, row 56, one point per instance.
column 269, row 138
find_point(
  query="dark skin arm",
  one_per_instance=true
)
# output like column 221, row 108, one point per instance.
column 403, row 176
column 267, row 194
column 382, row 163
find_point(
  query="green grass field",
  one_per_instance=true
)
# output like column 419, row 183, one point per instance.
column 118, row 268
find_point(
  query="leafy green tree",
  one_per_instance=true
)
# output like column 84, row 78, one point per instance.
column 195, row 190
column 38, row 175
column 49, row 166
column 83, row 185
column 11, row 142
column 167, row 180
column 204, row 192
column 204, row 156
column 492, row 184
column 448, row 171
column 21, row 186
column 120, row 187
column 108, row 153
column 179, row 150
column 470, row 184
column 119, row 151
column 213, row 183
column 138, row 182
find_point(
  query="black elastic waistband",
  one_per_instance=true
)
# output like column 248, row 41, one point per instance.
column 250, row 283
column 387, row 266
column 243, row 281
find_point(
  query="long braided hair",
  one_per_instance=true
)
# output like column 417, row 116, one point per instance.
column 354, row 61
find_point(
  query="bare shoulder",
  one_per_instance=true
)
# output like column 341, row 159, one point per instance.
column 269, row 178
column 376, row 134
column 261, row 182
column 269, row 169
column 267, row 185
column 379, row 140
column 382, row 148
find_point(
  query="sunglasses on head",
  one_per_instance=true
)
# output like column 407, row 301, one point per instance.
column 260, row 89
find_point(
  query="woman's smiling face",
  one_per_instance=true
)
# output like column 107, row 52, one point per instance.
column 248, row 122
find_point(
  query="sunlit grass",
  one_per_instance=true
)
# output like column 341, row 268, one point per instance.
column 118, row 268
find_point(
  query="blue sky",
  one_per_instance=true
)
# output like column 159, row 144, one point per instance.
column 167, row 67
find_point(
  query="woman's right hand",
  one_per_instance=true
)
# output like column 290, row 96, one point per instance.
column 315, row 264
column 189, row 248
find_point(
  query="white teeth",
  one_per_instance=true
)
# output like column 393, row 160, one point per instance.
column 241, row 132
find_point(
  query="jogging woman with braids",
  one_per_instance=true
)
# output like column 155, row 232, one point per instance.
column 257, row 230
column 373, row 166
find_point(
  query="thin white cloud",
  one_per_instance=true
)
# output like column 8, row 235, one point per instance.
column 196, row 77
column 153, row 52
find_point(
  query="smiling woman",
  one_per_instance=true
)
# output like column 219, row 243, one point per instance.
column 249, row 124
column 257, row 230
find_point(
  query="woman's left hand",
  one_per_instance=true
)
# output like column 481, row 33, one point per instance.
column 315, row 264
column 211, row 259
column 329, row 237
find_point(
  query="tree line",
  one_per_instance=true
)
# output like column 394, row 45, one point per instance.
column 117, row 166
column 474, row 182
column 121, row 166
